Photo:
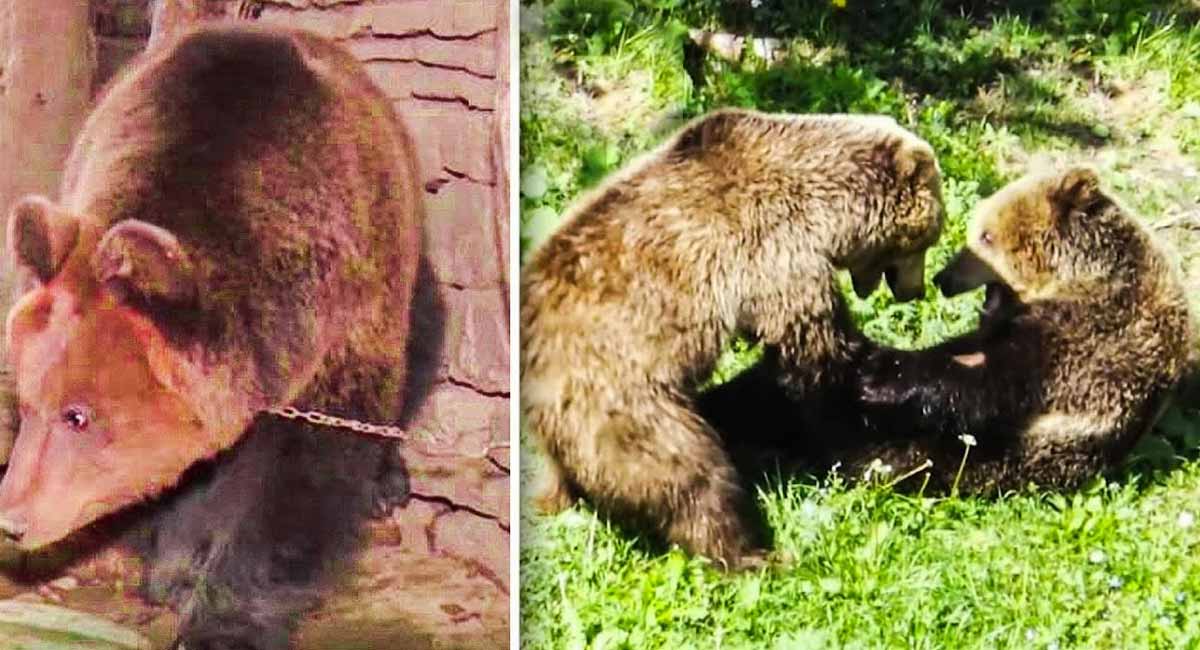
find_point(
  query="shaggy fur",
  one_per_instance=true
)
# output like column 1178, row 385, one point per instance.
column 1084, row 338
column 736, row 224
column 239, row 230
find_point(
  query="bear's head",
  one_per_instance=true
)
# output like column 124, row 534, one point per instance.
column 904, row 211
column 1045, row 235
column 877, row 185
column 112, row 411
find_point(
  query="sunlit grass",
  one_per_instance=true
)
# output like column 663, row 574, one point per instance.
column 1112, row 566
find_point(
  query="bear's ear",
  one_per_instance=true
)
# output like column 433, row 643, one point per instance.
column 1078, row 190
column 40, row 236
column 709, row 131
column 916, row 165
column 138, row 259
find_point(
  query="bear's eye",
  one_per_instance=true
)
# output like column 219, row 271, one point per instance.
column 76, row 417
column 986, row 238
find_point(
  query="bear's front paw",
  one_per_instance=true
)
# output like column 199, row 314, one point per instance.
column 855, row 348
column 885, row 394
column 210, row 644
column 240, row 627
column 883, row 382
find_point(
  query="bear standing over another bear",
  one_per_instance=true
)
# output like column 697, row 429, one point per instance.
column 239, row 230
column 736, row 224
column 1085, row 336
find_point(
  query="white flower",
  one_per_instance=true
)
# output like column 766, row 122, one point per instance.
column 1097, row 557
column 1115, row 583
column 755, row 4
column 1186, row 519
column 968, row 440
column 1030, row 635
column 1053, row 645
column 877, row 468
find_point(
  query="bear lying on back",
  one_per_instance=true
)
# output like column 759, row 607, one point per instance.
column 736, row 224
column 239, row 230
column 1085, row 336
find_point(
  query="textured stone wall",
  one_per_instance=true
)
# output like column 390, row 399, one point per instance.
column 444, row 64
column 436, row 574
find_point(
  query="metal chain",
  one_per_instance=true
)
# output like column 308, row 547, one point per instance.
column 325, row 420
column 387, row 431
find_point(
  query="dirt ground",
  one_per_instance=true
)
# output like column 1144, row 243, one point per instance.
column 395, row 598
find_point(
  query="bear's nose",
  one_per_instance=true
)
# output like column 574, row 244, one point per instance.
column 13, row 528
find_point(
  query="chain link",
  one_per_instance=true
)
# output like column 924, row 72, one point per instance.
column 387, row 431
column 325, row 420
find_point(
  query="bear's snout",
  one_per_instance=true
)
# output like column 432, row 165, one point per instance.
column 964, row 273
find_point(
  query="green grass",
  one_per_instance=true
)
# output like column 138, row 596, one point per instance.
column 995, row 88
column 1110, row 568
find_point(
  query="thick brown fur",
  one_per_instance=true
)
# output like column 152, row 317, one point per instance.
column 181, row 143
column 239, row 230
column 736, row 224
column 1085, row 338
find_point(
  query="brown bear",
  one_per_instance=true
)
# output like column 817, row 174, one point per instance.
column 238, row 230
column 1085, row 336
column 736, row 224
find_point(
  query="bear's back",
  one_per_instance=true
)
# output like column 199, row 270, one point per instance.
column 233, row 136
column 285, row 175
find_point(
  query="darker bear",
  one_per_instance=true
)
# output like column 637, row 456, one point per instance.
column 1085, row 336
column 239, row 230
column 736, row 224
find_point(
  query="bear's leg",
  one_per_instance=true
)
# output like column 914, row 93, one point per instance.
column 661, row 464
column 554, row 492
column 245, row 550
column 810, row 337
